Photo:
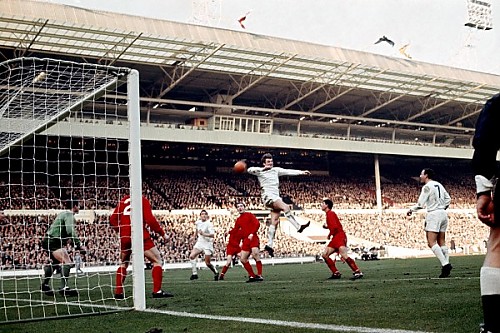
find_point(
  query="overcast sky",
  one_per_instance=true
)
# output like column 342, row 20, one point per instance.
column 434, row 29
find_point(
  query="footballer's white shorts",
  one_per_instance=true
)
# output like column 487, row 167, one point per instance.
column 436, row 221
column 206, row 247
column 269, row 199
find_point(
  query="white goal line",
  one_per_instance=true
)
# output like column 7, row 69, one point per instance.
column 295, row 324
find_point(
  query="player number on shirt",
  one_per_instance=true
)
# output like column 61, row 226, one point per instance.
column 126, row 210
column 439, row 190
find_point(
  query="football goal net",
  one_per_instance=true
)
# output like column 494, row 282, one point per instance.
column 70, row 132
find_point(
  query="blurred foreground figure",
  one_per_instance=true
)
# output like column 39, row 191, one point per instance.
column 486, row 144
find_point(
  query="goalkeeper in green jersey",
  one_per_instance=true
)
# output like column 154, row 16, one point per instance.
column 61, row 233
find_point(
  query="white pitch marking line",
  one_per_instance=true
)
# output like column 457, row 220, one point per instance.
column 328, row 327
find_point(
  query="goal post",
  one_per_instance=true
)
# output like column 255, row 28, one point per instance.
column 69, row 132
column 136, row 192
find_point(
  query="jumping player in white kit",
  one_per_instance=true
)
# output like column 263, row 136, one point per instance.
column 268, row 177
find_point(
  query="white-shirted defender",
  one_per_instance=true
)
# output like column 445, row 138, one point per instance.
column 204, row 244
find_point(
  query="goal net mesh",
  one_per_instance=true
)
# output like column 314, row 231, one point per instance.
column 64, row 136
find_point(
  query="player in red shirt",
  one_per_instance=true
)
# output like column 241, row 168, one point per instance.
column 337, row 243
column 120, row 221
column 232, row 250
column 248, row 225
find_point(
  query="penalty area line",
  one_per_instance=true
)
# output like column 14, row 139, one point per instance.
column 295, row 324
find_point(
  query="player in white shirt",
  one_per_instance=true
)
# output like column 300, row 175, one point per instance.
column 268, row 177
column 204, row 244
column 436, row 200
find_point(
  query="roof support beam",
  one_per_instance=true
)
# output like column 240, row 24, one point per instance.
column 425, row 111
column 328, row 77
column 258, row 74
column 117, row 45
column 29, row 33
column 329, row 100
column 476, row 111
column 398, row 96
column 193, row 67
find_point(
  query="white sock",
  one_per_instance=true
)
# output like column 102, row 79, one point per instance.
column 193, row 266
column 270, row 235
column 292, row 220
column 446, row 252
column 439, row 254
column 489, row 278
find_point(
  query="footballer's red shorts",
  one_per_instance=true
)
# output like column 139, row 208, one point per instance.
column 126, row 244
column 249, row 244
column 232, row 250
column 337, row 241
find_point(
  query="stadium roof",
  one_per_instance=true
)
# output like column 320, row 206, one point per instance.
column 187, row 67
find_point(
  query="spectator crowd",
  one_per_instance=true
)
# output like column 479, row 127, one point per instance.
column 181, row 190
column 21, row 235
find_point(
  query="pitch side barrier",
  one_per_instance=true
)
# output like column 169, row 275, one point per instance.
column 89, row 215
column 89, row 270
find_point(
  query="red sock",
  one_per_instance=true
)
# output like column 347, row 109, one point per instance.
column 331, row 264
column 157, row 274
column 352, row 264
column 224, row 270
column 259, row 267
column 121, row 274
column 249, row 269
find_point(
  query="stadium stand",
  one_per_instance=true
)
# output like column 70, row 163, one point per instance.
column 186, row 192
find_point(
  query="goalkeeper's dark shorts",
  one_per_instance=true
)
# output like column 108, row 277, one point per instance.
column 53, row 244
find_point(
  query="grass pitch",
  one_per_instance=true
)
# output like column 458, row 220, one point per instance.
column 396, row 295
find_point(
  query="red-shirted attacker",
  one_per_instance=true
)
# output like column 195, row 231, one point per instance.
column 120, row 221
column 337, row 243
column 248, row 225
column 232, row 250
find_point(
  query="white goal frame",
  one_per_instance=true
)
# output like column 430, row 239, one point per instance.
column 20, row 124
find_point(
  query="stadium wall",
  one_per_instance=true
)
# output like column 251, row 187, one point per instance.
column 155, row 133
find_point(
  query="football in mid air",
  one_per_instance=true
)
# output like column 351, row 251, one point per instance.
column 240, row 167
